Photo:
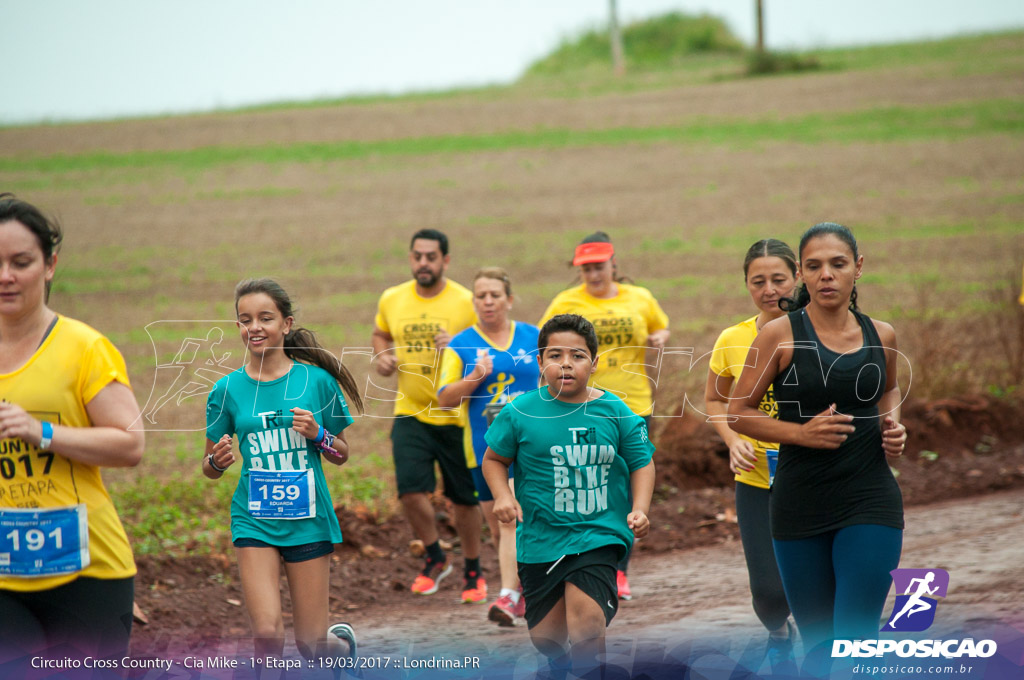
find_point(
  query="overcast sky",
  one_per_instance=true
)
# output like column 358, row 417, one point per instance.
column 81, row 59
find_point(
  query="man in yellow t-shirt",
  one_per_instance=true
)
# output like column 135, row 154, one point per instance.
column 414, row 322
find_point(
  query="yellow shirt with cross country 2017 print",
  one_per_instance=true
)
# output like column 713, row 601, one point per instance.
column 413, row 321
column 74, row 363
column 622, row 324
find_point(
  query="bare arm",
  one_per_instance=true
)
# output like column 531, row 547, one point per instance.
column 657, row 339
column 495, row 469
column 827, row 430
column 306, row 424
column 894, row 433
column 641, row 483
column 220, row 454
column 115, row 439
column 451, row 395
column 716, row 404
column 383, row 351
column 340, row 444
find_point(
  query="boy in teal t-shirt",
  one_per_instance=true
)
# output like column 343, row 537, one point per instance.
column 577, row 452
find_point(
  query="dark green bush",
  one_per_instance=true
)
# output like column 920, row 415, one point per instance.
column 768, row 63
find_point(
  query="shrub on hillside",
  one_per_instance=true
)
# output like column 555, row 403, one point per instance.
column 768, row 63
column 659, row 42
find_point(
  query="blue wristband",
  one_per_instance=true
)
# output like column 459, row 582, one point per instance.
column 319, row 435
column 47, row 438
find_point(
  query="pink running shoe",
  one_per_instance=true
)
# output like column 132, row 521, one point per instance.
column 503, row 611
column 623, row 585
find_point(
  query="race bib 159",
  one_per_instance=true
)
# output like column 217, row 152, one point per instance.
column 282, row 494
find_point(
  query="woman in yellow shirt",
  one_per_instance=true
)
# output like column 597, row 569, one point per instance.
column 66, row 569
column 628, row 321
column 770, row 273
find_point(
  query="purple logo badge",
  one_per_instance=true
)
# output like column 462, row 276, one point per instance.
column 916, row 590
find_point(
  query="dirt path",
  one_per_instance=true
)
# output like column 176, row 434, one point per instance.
column 689, row 576
column 702, row 594
column 691, row 610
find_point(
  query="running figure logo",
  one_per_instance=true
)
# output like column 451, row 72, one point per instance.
column 914, row 610
column 197, row 364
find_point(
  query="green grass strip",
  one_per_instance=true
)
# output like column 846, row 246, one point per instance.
column 950, row 122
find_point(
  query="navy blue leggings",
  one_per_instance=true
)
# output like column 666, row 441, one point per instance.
column 836, row 582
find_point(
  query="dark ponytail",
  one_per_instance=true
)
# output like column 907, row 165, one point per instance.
column 802, row 297
column 798, row 301
column 300, row 344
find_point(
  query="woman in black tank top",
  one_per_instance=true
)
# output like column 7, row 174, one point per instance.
column 836, row 509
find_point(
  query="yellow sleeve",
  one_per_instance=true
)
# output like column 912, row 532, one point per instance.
column 101, row 365
column 730, row 354
column 657, row 319
column 556, row 307
column 719, row 364
column 451, row 369
column 380, row 319
column 468, row 319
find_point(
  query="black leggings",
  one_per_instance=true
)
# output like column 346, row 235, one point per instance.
column 765, row 583
column 86, row 617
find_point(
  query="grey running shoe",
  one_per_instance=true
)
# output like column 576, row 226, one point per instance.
column 343, row 631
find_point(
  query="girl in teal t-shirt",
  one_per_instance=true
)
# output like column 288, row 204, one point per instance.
column 577, row 452
column 289, row 415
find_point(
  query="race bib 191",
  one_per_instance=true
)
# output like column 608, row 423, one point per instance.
column 282, row 494
column 40, row 542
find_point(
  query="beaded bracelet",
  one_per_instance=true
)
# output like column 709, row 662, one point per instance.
column 327, row 444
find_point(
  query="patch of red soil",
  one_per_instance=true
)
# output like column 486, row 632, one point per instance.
column 955, row 448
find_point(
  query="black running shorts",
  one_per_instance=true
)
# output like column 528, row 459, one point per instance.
column 415, row 446
column 290, row 553
column 593, row 572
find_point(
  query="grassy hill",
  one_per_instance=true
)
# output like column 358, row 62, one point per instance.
column 662, row 42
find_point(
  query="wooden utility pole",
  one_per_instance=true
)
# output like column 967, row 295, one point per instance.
column 618, row 57
column 759, row 9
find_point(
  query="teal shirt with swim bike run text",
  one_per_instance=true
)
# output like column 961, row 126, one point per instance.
column 572, row 465
column 258, row 412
